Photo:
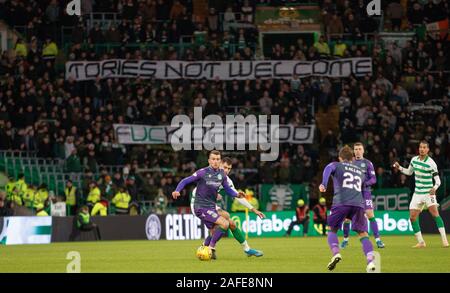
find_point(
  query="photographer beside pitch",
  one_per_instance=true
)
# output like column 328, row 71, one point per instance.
column 425, row 170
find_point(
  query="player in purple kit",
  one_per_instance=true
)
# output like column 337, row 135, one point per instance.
column 371, row 179
column 348, row 203
column 209, row 180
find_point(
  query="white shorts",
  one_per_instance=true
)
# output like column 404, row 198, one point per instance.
column 418, row 201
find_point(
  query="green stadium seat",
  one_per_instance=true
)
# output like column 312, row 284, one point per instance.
column 27, row 173
column 35, row 178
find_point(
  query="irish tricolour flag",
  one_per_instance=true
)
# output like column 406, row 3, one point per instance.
column 438, row 29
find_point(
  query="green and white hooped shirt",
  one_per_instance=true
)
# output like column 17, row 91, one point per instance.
column 424, row 171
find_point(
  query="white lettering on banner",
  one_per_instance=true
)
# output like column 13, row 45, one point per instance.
column 391, row 202
column 162, row 134
column 179, row 235
column 212, row 70
column 273, row 224
column 169, row 230
column 184, row 227
column 390, row 224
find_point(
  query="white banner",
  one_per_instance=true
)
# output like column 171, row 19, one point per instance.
column 161, row 134
column 212, row 70
column 25, row 230
column 184, row 227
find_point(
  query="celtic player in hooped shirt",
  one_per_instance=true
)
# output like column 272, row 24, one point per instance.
column 425, row 170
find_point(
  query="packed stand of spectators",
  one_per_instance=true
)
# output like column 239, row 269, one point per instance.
column 41, row 111
column 72, row 121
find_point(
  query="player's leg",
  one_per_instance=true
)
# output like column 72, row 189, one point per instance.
column 215, row 222
column 414, row 218
column 335, row 220
column 433, row 209
column 374, row 227
column 220, row 230
column 415, row 208
column 346, row 230
column 324, row 227
column 208, row 238
column 368, row 205
column 291, row 226
column 359, row 225
column 239, row 235
column 305, row 224
column 368, row 250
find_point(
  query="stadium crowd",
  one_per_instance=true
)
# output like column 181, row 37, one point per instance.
column 406, row 99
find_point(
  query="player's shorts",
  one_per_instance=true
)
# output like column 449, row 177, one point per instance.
column 193, row 210
column 418, row 201
column 368, row 204
column 338, row 215
column 208, row 216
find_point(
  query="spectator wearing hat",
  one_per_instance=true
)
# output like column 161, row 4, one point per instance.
column 302, row 214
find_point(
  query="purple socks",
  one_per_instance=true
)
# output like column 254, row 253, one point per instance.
column 333, row 242
column 218, row 233
column 346, row 229
column 367, row 248
column 207, row 241
column 374, row 227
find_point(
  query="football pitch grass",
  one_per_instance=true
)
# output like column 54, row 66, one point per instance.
column 280, row 255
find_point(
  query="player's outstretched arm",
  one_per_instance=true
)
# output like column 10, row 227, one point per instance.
column 186, row 181
column 245, row 203
column 405, row 171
